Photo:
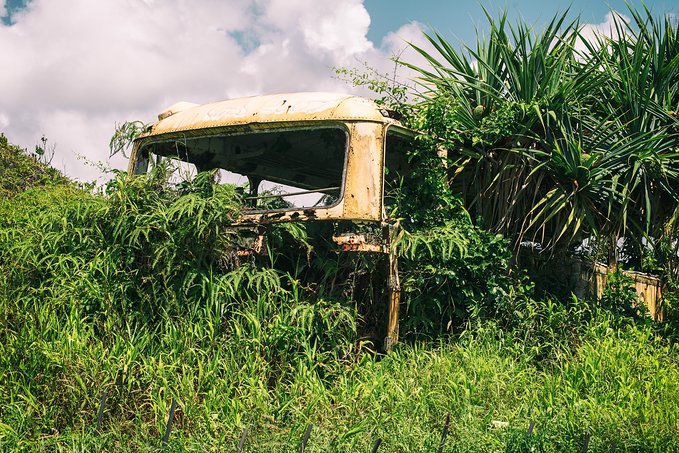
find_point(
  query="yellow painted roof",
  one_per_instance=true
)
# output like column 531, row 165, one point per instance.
column 289, row 107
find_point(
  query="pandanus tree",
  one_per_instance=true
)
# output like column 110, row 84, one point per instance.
column 555, row 137
column 639, row 99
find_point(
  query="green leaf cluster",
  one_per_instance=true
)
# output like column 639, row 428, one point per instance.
column 139, row 292
column 555, row 136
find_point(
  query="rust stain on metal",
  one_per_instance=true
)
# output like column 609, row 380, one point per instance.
column 258, row 248
column 394, row 289
column 358, row 243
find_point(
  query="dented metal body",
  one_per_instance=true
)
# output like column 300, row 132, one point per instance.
column 328, row 151
column 365, row 124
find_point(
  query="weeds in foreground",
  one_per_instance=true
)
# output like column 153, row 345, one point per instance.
column 134, row 295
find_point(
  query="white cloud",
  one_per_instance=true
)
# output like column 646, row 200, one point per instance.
column 78, row 54
column 613, row 25
column 341, row 31
column 78, row 66
column 399, row 43
column 395, row 46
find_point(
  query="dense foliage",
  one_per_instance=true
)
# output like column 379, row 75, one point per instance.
column 138, row 292
column 556, row 137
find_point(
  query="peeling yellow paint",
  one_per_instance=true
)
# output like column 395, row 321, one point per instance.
column 291, row 107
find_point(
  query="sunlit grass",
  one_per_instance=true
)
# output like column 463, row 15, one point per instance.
column 132, row 294
column 620, row 386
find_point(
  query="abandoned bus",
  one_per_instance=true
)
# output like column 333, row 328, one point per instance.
column 298, row 157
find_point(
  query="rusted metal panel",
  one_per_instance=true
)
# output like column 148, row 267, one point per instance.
column 363, row 184
column 358, row 243
column 394, row 290
column 364, row 120
column 648, row 287
column 362, row 179
column 258, row 247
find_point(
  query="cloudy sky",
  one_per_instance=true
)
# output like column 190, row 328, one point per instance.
column 72, row 69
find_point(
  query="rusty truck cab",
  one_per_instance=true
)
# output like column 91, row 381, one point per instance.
column 297, row 157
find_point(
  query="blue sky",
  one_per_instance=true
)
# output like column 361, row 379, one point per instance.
column 10, row 7
column 457, row 19
column 78, row 67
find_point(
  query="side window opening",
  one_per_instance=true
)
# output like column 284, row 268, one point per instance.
column 396, row 166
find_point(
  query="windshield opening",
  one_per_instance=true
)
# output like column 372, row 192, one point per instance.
column 276, row 169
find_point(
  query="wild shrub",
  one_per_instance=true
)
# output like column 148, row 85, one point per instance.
column 20, row 170
column 452, row 271
column 621, row 297
column 97, row 290
column 133, row 252
column 143, row 251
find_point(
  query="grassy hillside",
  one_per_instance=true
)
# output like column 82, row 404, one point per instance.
column 20, row 170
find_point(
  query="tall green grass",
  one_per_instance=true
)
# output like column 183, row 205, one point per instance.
column 619, row 385
column 139, row 293
column 20, row 170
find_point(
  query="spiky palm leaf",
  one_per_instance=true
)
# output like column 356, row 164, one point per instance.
column 554, row 144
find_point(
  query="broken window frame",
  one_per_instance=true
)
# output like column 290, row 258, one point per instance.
column 399, row 130
column 142, row 157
